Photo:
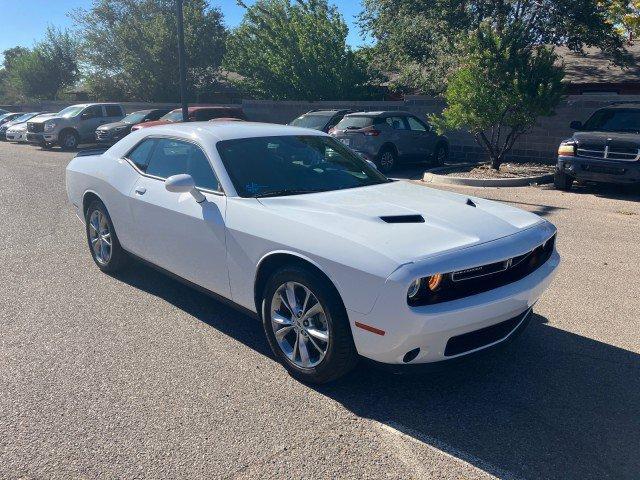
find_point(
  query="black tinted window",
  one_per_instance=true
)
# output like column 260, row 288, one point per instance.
column 171, row 157
column 614, row 120
column 397, row 123
column 416, row 125
column 140, row 154
column 92, row 112
column 113, row 111
column 350, row 123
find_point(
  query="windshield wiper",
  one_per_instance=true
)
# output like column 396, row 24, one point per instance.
column 284, row 192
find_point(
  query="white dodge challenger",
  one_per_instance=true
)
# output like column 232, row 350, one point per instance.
column 334, row 258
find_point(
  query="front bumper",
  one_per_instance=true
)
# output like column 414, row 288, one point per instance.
column 41, row 138
column 392, row 329
column 596, row 170
column 16, row 136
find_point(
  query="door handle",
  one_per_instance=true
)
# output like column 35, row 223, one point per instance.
column 141, row 190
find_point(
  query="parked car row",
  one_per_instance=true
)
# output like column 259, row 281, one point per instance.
column 104, row 123
column 386, row 138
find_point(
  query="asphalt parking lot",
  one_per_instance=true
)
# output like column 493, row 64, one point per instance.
column 137, row 376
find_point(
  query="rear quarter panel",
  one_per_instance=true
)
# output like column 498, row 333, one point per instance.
column 111, row 179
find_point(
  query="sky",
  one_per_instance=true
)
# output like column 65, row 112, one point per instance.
column 25, row 23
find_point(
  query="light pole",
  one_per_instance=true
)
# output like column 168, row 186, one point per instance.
column 182, row 62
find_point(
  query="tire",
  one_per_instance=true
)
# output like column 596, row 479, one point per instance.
column 387, row 159
column 440, row 155
column 339, row 355
column 562, row 181
column 117, row 258
column 69, row 140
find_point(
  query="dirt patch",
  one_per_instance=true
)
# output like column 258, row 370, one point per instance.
column 507, row 170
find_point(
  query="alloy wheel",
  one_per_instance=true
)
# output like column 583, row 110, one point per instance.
column 299, row 324
column 100, row 237
column 386, row 160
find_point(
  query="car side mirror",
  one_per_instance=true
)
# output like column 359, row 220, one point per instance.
column 183, row 183
column 575, row 125
column 146, row 120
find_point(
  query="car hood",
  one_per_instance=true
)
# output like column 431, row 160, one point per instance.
column 604, row 137
column 114, row 125
column 43, row 118
column 450, row 222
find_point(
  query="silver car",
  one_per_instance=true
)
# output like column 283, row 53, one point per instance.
column 391, row 137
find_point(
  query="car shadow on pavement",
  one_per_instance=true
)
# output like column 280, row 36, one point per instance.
column 604, row 190
column 552, row 404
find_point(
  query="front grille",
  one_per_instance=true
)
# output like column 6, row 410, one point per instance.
column 468, row 342
column 471, row 281
column 609, row 152
column 35, row 127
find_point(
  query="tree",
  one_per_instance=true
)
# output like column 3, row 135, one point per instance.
column 130, row 48
column 296, row 51
column 503, row 85
column 46, row 70
column 418, row 39
column 8, row 91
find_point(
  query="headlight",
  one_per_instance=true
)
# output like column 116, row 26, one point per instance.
column 567, row 149
column 48, row 126
column 423, row 285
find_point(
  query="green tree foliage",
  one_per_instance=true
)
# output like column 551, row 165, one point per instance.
column 130, row 48
column 44, row 71
column 418, row 38
column 503, row 85
column 296, row 51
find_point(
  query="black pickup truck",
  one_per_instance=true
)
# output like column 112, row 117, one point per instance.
column 606, row 148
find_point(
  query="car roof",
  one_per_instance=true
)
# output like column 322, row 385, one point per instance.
column 328, row 112
column 209, row 107
column 381, row 113
column 227, row 130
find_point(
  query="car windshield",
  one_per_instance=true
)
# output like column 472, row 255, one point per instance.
column 614, row 120
column 290, row 165
column 354, row 123
column 23, row 118
column 316, row 122
column 135, row 117
column 175, row 116
column 71, row 111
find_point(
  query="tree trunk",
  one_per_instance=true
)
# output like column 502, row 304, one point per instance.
column 496, row 161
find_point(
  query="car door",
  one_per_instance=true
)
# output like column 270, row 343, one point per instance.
column 423, row 138
column 90, row 119
column 113, row 113
column 180, row 235
column 400, row 135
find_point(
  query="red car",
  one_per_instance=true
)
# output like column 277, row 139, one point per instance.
column 196, row 114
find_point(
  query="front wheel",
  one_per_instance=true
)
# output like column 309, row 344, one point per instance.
column 102, row 239
column 562, row 181
column 440, row 155
column 386, row 160
column 307, row 325
column 69, row 140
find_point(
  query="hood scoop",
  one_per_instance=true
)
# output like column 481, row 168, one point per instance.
column 470, row 202
column 402, row 219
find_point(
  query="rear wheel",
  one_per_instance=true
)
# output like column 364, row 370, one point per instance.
column 387, row 159
column 102, row 239
column 562, row 181
column 307, row 325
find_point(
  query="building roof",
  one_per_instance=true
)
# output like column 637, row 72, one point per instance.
column 594, row 66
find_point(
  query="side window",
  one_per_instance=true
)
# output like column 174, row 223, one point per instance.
column 95, row 111
column 171, row 157
column 155, row 115
column 141, row 153
column 397, row 123
column 416, row 125
column 202, row 115
column 114, row 111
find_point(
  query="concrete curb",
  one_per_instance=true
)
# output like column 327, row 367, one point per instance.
column 431, row 176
